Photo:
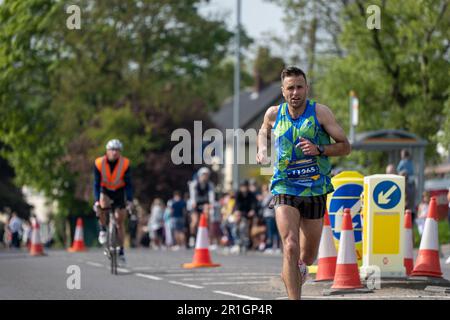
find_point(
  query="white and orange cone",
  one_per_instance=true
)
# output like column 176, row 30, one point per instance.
column 427, row 262
column 327, row 253
column 347, row 273
column 408, row 260
column 202, row 258
column 78, row 242
column 36, row 248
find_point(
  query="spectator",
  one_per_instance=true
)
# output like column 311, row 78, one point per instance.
column 132, row 229
column 143, row 230
column 228, row 203
column 178, row 216
column 258, row 233
column 244, row 212
column 2, row 234
column 201, row 193
column 406, row 164
column 272, row 238
column 253, row 187
column 215, row 233
column 168, row 235
column 187, row 219
column 410, row 192
column 156, row 223
column 15, row 227
column 390, row 169
column 422, row 212
column 448, row 219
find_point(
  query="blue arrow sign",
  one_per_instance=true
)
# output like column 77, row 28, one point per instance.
column 387, row 194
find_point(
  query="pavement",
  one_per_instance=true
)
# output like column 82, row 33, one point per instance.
column 158, row 275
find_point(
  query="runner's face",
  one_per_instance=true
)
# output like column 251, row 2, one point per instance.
column 294, row 91
column 112, row 154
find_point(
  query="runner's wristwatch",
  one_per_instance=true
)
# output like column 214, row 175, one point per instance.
column 321, row 149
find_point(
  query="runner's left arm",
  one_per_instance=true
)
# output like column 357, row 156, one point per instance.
column 326, row 118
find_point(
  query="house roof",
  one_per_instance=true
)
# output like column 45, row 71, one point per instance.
column 251, row 105
column 387, row 140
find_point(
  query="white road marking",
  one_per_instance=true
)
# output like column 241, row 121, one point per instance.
column 233, row 282
column 354, row 297
column 148, row 276
column 221, row 274
column 123, row 270
column 227, row 278
column 186, row 285
column 95, row 264
column 142, row 268
column 236, row 295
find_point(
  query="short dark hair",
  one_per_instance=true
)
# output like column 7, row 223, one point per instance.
column 406, row 153
column 292, row 71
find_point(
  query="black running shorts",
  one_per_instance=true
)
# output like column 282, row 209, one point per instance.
column 309, row 207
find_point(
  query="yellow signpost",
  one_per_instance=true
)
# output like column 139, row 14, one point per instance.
column 383, row 234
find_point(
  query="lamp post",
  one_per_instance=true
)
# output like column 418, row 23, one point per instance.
column 237, row 80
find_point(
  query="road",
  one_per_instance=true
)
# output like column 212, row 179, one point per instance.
column 158, row 275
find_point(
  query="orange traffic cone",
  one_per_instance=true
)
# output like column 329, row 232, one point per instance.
column 327, row 253
column 36, row 248
column 408, row 260
column 78, row 241
column 427, row 262
column 201, row 256
column 347, row 274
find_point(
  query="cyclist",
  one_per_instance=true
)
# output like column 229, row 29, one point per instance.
column 112, row 185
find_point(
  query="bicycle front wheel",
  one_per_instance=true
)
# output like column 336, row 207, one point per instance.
column 113, row 249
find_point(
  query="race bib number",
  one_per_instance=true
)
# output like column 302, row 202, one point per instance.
column 305, row 170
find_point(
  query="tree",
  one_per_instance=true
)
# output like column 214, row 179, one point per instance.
column 398, row 72
column 136, row 70
column 312, row 30
column 267, row 67
column 10, row 195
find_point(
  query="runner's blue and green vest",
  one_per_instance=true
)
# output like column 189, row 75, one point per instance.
column 295, row 173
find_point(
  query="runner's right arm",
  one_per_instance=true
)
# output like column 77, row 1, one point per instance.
column 264, row 134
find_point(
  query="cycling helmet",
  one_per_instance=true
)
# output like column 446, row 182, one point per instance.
column 114, row 144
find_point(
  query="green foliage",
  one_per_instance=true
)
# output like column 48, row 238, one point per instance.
column 120, row 124
column 400, row 73
column 64, row 93
column 267, row 66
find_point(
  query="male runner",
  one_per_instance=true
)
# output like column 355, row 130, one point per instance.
column 301, row 180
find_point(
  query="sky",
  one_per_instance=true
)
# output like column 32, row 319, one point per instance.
column 258, row 17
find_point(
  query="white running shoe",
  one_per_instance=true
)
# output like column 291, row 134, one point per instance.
column 304, row 272
column 102, row 237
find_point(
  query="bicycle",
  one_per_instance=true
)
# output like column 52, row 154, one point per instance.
column 112, row 246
